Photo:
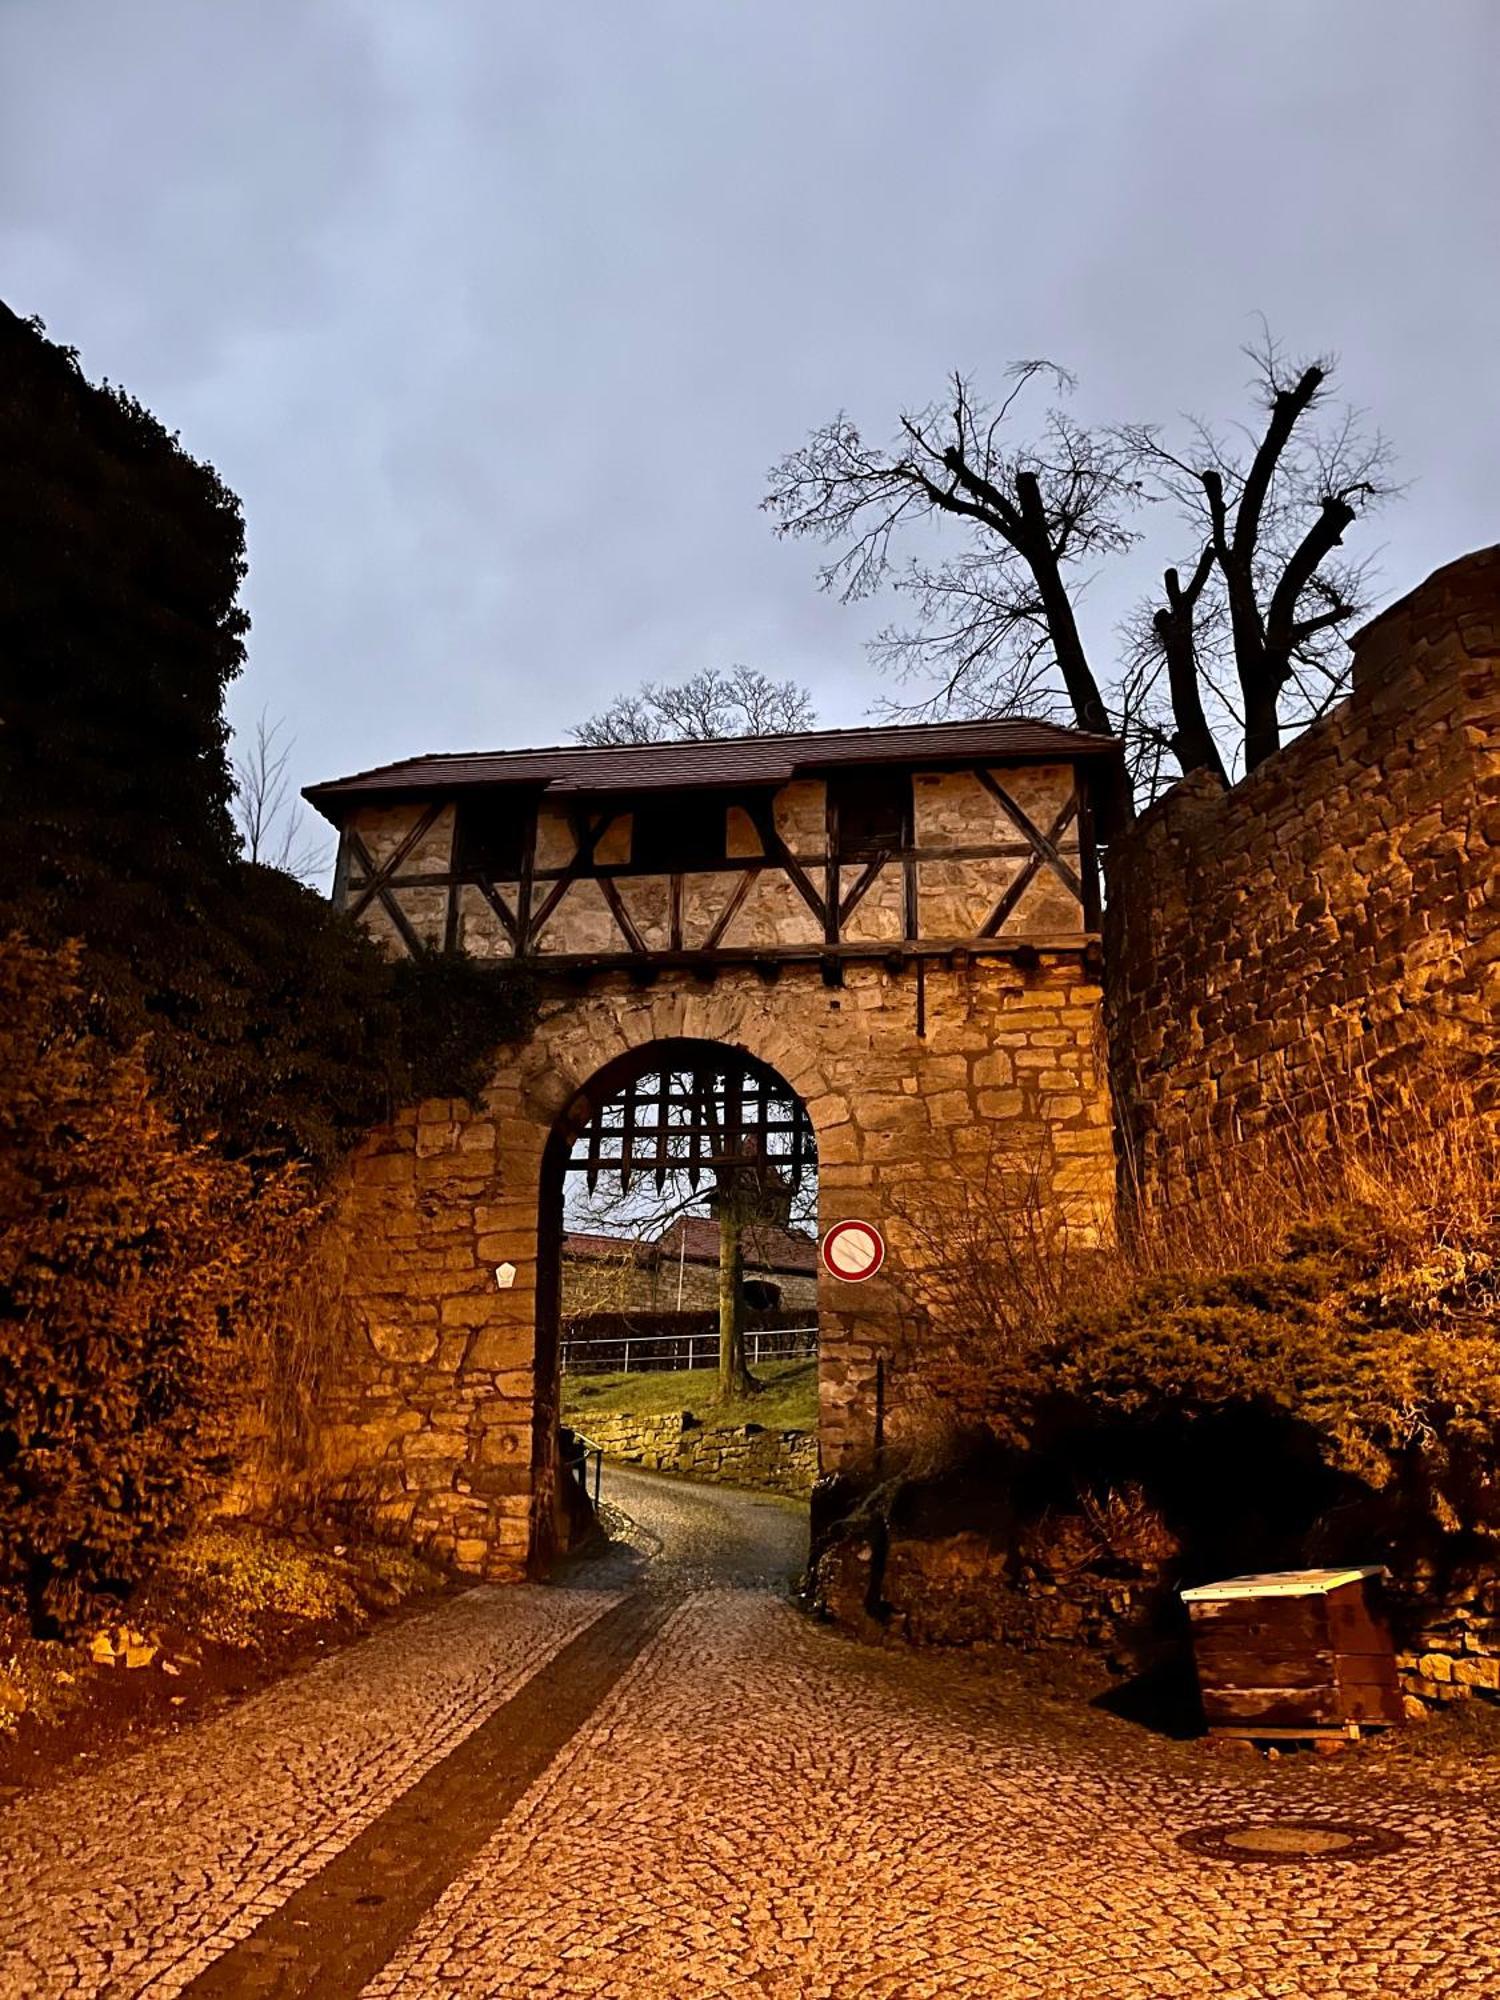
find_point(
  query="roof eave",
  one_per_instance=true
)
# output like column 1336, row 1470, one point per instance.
column 341, row 795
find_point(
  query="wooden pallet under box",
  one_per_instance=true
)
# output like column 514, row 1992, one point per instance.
column 1295, row 1653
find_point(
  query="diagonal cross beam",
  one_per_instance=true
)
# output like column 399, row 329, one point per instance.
column 775, row 849
column 860, row 888
column 376, row 886
column 1044, row 854
column 1044, row 845
column 378, row 878
column 587, row 835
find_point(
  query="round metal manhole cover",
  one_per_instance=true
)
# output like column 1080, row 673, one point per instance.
column 1291, row 1840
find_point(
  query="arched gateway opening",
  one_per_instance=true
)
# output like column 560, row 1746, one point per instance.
column 675, row 1132
column 900, row 924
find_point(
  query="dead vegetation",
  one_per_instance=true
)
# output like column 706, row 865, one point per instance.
column 227, row 1608
column 1001, row 1265
column 1323, row 1323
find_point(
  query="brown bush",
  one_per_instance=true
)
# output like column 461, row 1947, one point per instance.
column 1306, row 1363
column 128, row 1264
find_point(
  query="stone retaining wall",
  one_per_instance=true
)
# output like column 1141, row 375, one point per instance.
column 730, row 1455
column 1452, row 1648
column 969, row 1589
column 965, row 1590
column 1322, row 940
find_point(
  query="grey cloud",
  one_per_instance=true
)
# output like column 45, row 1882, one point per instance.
column 496, row 316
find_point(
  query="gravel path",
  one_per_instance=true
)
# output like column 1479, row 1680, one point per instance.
column 755, row 1806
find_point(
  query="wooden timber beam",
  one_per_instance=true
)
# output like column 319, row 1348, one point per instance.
column 378, row 880
column 1043, row 857
column 777, row 851
column 378, row 892
column 1044, row 844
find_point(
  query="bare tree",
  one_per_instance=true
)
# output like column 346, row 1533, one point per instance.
column 996, row 628
column 268, row 813
column 708, row 705
column 1271, row 507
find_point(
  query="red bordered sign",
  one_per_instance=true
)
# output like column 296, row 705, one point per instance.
column 853, row 1251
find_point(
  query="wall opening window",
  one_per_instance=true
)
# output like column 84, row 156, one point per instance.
column 491, row 838
column 874, row 812
column 669, row 836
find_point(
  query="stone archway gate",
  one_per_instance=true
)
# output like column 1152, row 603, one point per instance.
column 902, row 923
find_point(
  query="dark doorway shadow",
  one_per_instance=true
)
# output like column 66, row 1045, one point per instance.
column 1162, row 1697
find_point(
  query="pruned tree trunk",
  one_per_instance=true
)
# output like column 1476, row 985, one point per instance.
column 1193, row 742
column 1262, row 724
column 734, row 1374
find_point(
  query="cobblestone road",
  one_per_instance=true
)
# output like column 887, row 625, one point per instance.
column 755, row 1807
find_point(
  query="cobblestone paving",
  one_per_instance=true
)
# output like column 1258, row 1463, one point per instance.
column 757, row 1807
column 762, row 1808
column 133, row 1879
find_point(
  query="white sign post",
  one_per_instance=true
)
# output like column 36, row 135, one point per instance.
column 853, row 1251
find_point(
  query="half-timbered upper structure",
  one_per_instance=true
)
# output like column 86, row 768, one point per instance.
column 824, row 846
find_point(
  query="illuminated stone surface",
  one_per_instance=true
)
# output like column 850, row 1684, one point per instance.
column 759, row 1806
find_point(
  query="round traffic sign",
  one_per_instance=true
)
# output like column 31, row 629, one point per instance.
column 853, row 1251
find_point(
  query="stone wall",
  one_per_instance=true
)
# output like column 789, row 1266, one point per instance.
column 1326, row 934
column 973, row 1589
column 630, row 1284
column 1450, row 1627
column 728, row 1454
column 443, row 1415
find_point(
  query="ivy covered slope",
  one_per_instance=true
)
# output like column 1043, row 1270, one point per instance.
column 127, row 1261
column 188, row 1043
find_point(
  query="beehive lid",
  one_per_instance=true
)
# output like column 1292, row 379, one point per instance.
column 1280, row 1583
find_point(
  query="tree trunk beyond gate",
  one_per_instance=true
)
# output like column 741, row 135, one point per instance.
column 734, row 1375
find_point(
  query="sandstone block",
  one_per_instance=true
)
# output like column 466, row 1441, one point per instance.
column 1000, row 1106
column 479, row 1309
column 403, row 1341
column 500, row 1349
column 430, row 1446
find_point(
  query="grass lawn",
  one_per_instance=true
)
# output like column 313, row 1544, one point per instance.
column 786, row 1401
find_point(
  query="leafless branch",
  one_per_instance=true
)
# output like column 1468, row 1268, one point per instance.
column 1263, row 601
column 708, row 705
column 269, row 816
column 1031, row 513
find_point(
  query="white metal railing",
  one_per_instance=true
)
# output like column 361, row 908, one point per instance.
column 667, row 1351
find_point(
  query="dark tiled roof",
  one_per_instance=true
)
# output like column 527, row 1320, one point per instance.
column 604, row 1249
column 577, row 769
column 767, row 1246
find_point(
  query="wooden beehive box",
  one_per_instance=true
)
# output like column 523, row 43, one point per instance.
column 1295, row 1653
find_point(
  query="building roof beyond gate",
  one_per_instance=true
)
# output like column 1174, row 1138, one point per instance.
column 695, row 1239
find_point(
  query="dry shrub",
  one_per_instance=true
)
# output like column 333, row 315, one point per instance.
column 129, row 1262
column 1325, row 1316
column 290, row 1347
column 988, row 1248
column 998, row 1261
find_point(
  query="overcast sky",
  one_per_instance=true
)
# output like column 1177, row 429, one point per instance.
column 495, row 315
